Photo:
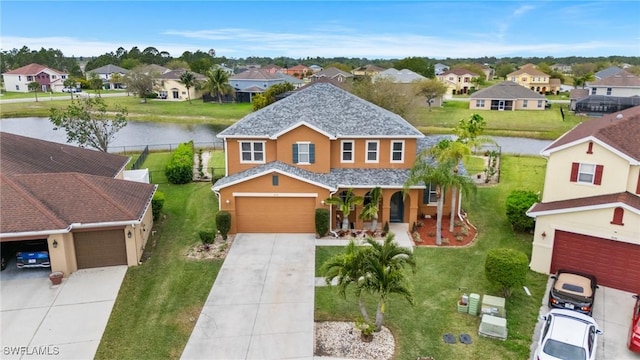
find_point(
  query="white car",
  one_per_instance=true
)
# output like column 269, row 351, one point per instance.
column 71, row 90
column 567, row 335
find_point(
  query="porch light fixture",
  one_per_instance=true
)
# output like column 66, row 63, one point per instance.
column 544, row 234
column 129, row 234
column 228, row 201
column 55, row 243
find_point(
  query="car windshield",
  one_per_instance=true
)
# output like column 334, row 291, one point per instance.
column 564, row 351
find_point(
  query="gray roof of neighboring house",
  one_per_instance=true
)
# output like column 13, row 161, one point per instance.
column 153, row 68
column 290, row 79
column 175, row 75
column 403, row 76
column 506, row 90
column 607, row 72
column 329, row 109
column 255, row 74
column 109, row 69
column 332, row 72
column 622, row 78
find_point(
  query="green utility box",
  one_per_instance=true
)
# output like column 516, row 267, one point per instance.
column 474, row 304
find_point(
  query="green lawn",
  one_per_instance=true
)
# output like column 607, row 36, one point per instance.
column 547, row 124
column 160, row 300
column 441, row 272
column 29, row 95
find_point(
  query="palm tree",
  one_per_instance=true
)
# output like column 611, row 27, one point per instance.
column 115, row 79
column 188, row 80
column 384, row 266
column 370, row 210
column 34, row 86
column 425, row 171
column 347, row 268
column 344, row 202
column 217, row 83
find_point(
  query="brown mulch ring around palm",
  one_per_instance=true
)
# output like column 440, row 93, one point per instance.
column 463, row 232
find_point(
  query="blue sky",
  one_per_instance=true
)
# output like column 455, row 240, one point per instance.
column 371, row 29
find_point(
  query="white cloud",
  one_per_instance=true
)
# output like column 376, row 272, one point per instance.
column 522, row 10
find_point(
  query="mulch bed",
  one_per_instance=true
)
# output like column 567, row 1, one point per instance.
column 459, row 236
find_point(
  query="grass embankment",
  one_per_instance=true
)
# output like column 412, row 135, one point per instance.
column 543, row 124
column 442, row 271
column 195, row 112
column 160, row 300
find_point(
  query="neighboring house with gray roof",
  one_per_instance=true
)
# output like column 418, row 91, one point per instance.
column 332, row 74
column 622, row 84
column 612, row 70
column 404, row 76
column 440, row 68
column 506, row 96
column 285, row 159
column 254, row 81
column 106, row 73
column 75, row 202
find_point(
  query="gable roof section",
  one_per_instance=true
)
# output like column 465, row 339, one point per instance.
column 618, row 132
column 32, row 69
column 332, row 72
column 506, row 90
column 327, row 108
column 458, row 72
column 625, row 200
column 529, row 69
column 578, row 93
column 290, row 79
column 255, row 74
column 607, row 72
column 620, row 79
column 66, row 200
column 403, row 76
column 153, row 68
column 109, row 69
column 25, row 155
column 175, row 75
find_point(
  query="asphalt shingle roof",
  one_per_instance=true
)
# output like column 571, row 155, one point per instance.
column 328, row 108
column 108, row 69
column 403, row 76
column 506, row 90
column 623, row 197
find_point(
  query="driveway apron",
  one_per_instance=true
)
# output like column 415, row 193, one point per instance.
column 262, row 302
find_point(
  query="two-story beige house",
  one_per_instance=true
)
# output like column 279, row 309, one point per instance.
column 285, row 160
column 589, row 216
column 458, row 80
column 530, row 77
column 172, row 88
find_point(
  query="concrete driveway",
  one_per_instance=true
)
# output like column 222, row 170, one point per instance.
column 41, row 321
column 262, row 302
column 612, row 311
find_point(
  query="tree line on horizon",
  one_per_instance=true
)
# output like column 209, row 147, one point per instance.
column 200, row 61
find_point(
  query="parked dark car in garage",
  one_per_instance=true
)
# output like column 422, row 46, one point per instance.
column 32, row 254
column 573, row 290
column 634, row 333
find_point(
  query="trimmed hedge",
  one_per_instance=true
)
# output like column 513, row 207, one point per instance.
column 322, row 222
column 507, row 268
column 207, row 236
column 518, row 202
column 223, row 223
column 157, row 202
column 179, row 170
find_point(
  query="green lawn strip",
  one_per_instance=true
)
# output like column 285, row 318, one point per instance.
column 474, row 164
column 442, row 271
column 160, row 300
column 217, row 162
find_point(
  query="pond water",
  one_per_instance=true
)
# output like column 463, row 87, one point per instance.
column 167, row 135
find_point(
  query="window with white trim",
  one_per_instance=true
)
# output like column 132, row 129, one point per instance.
column 372, row 151
column 609, row 91
column 430, row 196
column 480, row 103
column 252, row 151
column 347, row 155
column 304, row 153
column 586, row 173
column 540, row 105
column 593, row 91
column 525, row 102
column 397, row 151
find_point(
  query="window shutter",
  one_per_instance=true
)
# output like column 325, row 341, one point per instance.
column 295, row 153
column 574, row 171
column 312, row 153
column 597, row 180
column 638, row 186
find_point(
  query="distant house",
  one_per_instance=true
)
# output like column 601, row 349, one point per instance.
column 105, row 73
column 488, row 71
column 299, row 71
column 575, row 95
column 49, row 79
column 404, row 76
column 530, row 77
column 607, row 72
column 565, row 69
column 622, row 83
column 297, row 83
column 440, row 68
column 458, row 81
column 224, row 68
column 508, row 96
column 315, row 68
column 171, row 88
column 256, row 81
column 154, row 69
column 332, row 73
column 272, row 69
column 367, row 70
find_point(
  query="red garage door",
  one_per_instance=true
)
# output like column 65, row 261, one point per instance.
column 616, row 264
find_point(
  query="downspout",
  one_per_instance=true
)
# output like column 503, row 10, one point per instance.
column 335, row 234
column 218, row 197
column 460, row 205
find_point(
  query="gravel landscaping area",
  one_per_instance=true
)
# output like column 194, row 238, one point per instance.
column 342, row 339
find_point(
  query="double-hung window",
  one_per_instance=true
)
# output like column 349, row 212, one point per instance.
column 397, row 151
column 430, row 196
column 525, row 102
column 480, row 103
column 252, row 151
column 372, row 151
column 304, row 153
column 586, row 173
column 346, row 153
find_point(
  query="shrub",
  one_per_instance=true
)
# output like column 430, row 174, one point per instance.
column 179, row 170
column 207, row 236
column 322, row 222
column 518, row 202
column 506, row 268
column 223, row 223
column 216, row 177
column 156, row 204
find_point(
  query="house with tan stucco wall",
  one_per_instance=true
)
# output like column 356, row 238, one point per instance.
column 531, row 77
column 589, row 216
column 75, row 202
column 285, row 160
column 171, row 88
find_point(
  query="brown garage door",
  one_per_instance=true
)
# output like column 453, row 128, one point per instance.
column 100, row 248
column 275, row 214
column 616, row 264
